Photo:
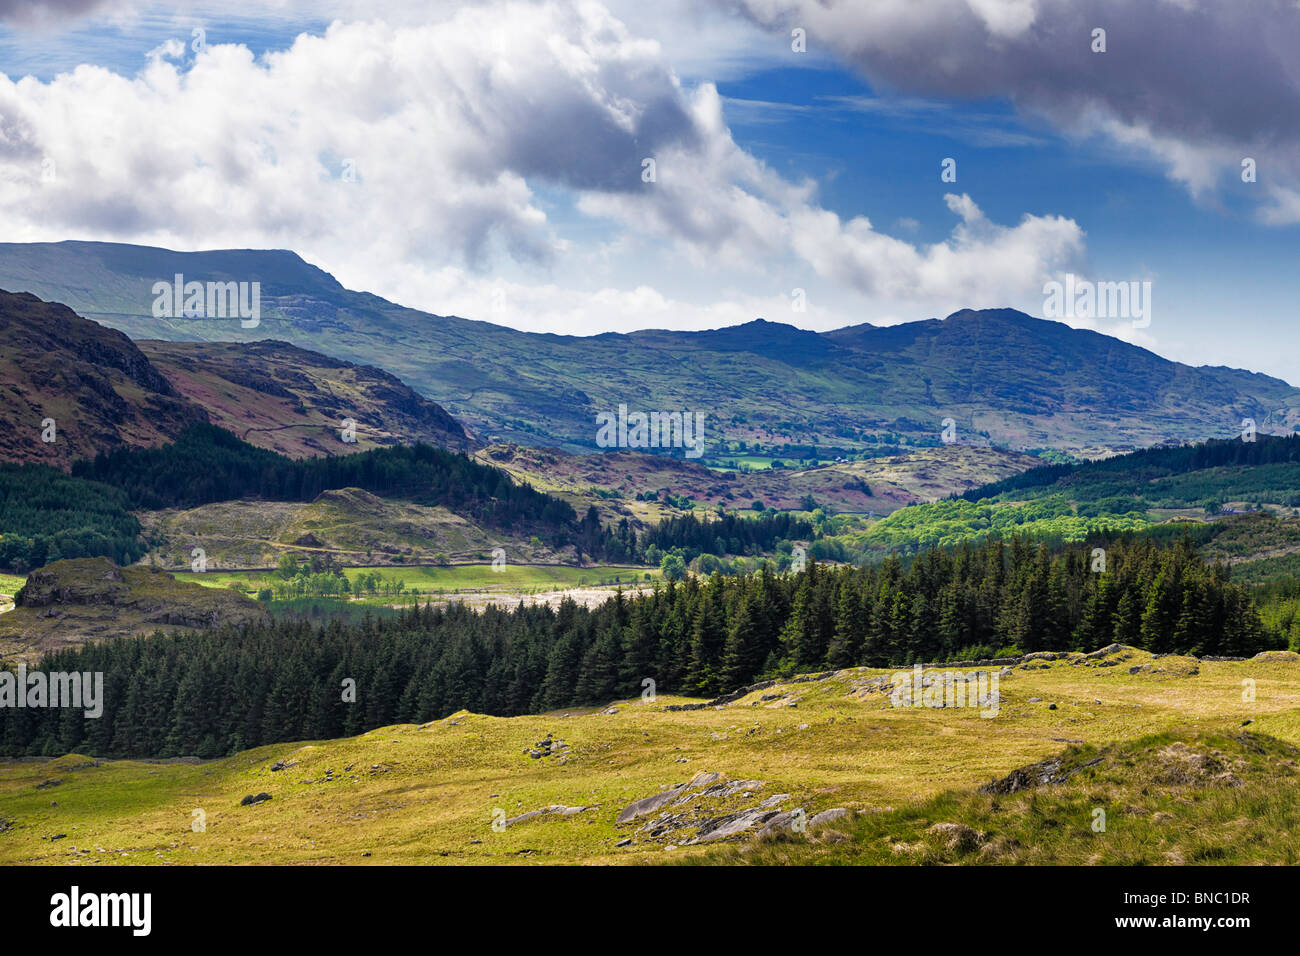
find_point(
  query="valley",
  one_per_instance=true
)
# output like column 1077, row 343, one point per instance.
column 429, row 641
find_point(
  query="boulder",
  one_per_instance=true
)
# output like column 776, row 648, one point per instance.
column 826, row 816
column 732, row 824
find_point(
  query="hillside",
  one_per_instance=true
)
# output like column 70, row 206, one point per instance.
column 294, row 401
column 352, row 526
column 1167, row 491
column 105, row 392
column 594, row 785
column 94, row 383
column 68, row 603
column 1264, row 468
column 1003, row 377
column 1216, row 790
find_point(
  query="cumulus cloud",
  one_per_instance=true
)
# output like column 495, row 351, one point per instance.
column 720, row 202
column 982, row 264
column 447, row 128
column 424, row 157
column 1196, row 84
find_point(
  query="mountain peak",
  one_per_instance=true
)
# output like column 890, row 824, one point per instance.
column 993, row 315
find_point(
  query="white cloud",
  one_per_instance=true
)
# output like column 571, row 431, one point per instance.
column 491, row 143
column 981, row 265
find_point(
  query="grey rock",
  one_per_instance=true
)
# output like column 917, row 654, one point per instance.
column 732, row 824
column 826, row 816
column 640, row 808
column 783, row 821
column 557, row 809
column 720, row 790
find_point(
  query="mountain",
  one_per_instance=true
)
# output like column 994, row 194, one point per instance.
column 71, row 388
column 1003, row 377
column 102, row 391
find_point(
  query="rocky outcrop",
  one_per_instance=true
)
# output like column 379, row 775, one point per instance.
column 640, row 808
column 709, row 809
column 1053, row 770
column 68, row 603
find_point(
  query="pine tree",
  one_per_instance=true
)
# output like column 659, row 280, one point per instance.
column 708, row 637
column 640, row 652
column 850, row 627
column 743, row 654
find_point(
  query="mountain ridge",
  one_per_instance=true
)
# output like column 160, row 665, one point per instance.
column 1002, row 376
column 73, row 388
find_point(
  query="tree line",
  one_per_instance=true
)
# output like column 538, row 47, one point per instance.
column 46, row 515
column 689, row 536
column 1128, row 475
column 207, row 464
column 218, row 692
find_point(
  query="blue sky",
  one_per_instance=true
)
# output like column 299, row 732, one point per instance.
column 499, row 150
column 1223, row 287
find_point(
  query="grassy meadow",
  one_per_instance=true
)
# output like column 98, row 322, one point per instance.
column 429, row 793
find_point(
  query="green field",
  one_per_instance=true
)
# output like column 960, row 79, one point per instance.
column 10, row 583
column 452, row 578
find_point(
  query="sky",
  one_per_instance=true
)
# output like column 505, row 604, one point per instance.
column 584, row 166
